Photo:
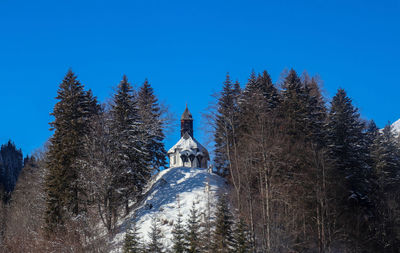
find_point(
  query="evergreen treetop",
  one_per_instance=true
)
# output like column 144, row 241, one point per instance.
column 132, row 240
column 150, row 114
column 155, row 245
column 130, row 154
column 72, row 114
column 193, row 230
column 226, row 121
column 223, row 237
column 178, row 232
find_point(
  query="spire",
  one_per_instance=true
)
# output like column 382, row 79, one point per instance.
column 186, row 123
column 186, row 114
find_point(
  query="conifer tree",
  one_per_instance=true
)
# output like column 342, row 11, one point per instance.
column 316, row 112
column 386, row 157
column 72, row 114
column 130, row 154
column 226, row 123
column 223, row 239
column 303, row 108
column 132, row 240
column 263, row 90
column 268, row 90
column 150, row 113
column 345, row 138
column 241, row 242
column 178, row 232
column 193, row 231
column 206, row 235
column 371, row 133
column 293, row 108
column 155, row 236
column 258, row 102
column 251, row 99
column 259, row 97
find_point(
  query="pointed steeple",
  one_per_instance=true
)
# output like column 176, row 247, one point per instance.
column 186, row 114
column 187, row 123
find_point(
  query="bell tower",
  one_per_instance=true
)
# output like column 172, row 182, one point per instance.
column 188, row 152
column 186, row 123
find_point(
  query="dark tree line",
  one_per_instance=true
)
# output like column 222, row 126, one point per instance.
column 11, row 163
column 307, row 176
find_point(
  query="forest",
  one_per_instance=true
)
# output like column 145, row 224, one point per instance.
column 304, row 173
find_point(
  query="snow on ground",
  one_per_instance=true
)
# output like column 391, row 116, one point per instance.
column 161, row 201
column 396, row 127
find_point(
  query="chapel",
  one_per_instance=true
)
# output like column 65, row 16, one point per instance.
column 188, row 152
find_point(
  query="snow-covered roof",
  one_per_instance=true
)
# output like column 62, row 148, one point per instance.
column 189, row 145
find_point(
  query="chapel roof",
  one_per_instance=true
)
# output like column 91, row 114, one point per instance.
column 188, row 145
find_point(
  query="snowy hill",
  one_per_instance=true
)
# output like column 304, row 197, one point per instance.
column 396, row 126
column 161, row 200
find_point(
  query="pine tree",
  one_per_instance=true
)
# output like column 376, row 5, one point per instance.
column 257, row 106
column 178, row 232
column 193, row 231
column 345, row 137
column 386, row 157
column 223, row 239
column 371, row 134
column 269, row 91
column 206, row 235
column 241, row 242
column 225, row 124
column 132, row 241
column 72, row 115
column 260, row 97
column 263, row 87
column 303, row 108
column 155, row 235
column 316, row 112
column 346, row 146
column 293, row 108
column 129, row 151
column 150, row 114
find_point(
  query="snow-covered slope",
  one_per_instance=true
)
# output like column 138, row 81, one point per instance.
column 161, row 200
column 396, row 127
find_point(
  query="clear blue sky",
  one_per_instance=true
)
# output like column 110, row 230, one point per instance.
column 185, row 49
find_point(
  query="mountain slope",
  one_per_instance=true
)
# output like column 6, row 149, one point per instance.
column 171, row 186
